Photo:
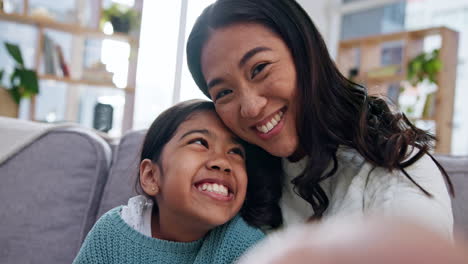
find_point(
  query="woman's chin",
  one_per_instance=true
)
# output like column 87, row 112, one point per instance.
column 282, row 151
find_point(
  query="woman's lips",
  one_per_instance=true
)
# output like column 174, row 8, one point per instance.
column 272, row 126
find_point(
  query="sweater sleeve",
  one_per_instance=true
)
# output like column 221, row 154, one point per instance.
column 393, row 194
column 94, row 248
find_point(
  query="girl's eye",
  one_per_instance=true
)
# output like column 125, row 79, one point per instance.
column 199, row 141
column 259, row 68
column 222, row 94
column 238, row 151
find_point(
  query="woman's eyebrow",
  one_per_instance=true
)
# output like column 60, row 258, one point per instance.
column 196, row 131
column 214, row 82
column 249, row 54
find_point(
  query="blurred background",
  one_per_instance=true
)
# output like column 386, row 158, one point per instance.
column 114, row 65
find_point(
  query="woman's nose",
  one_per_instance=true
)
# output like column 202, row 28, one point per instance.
column 251, row 105
column 219, row 163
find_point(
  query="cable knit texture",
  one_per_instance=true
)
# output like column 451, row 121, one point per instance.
column 113, row 241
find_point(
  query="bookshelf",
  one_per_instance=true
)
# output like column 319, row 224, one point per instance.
column 381, row 63
column 78, row 35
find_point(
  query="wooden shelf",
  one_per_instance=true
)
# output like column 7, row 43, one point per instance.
column 76, row 48
column 84, row 82
column 366, row 55
column 383, row 79
column 392, row 37
column 73, row 29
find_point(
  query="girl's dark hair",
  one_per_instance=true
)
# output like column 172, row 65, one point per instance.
column 261, row 207
column 332, row 110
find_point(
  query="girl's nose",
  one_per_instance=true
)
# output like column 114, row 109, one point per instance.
column 251, row 105
column 219, row 163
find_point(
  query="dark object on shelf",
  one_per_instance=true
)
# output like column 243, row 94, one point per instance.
column 103, row 115
column 353, row 73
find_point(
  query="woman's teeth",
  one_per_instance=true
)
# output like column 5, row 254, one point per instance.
column 271, row 124
column 215, row 188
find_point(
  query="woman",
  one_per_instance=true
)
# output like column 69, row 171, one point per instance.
column 268, row 71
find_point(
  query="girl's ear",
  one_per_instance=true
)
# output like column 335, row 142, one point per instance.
column 149, row 177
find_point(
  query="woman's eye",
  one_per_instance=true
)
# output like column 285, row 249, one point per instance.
column 259, row 68
column 222, row 94
column 199, row 141
column 238, row 151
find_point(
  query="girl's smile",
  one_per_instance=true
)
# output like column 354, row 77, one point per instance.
column 216, row 189
column 202, row 174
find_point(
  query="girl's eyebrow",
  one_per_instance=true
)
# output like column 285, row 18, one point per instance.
column 234, row 140
column 194, row 131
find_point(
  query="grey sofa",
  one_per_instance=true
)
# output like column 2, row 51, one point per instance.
column 54, row 189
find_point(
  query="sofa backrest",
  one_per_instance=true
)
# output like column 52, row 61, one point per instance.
column 457, row 169
column 50, row 193
column 121, row 181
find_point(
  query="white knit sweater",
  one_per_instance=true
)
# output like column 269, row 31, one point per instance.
column 357, row 189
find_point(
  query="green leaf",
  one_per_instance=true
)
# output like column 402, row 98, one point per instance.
column 1, row 75
column 29, row 82
column 15, row 52
column 15, row 94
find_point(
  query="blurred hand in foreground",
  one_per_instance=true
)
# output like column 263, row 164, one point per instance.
column 354, row 241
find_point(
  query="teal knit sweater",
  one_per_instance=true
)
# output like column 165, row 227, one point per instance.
column 111, row 240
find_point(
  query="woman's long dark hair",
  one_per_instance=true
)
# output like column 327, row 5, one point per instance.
column 333, row 111
column 261, row 206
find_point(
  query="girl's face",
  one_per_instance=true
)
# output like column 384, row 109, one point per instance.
column 203, row 180
column 251, row 77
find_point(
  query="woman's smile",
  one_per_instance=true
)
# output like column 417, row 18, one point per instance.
column 270, row 126
column 253, row 84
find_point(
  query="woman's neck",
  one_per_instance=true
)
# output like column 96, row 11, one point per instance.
column 172, row 228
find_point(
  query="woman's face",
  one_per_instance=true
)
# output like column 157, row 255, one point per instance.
column 203, row 178
column 251, row 77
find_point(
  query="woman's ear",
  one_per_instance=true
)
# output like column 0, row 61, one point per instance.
column 149, row 177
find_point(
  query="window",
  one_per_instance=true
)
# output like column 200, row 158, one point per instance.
column 163, row 77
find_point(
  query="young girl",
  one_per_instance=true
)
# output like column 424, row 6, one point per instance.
column 194, row 180
column 268, row 71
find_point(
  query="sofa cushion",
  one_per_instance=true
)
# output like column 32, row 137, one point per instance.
column 50, row 192
column 457, row 169
column 125, row 162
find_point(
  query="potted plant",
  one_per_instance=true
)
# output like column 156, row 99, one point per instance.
column 23, row 82
column 123, row 19
column 424, row 66
column 421, row 81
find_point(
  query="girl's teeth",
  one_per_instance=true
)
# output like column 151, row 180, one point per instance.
column 215, row 188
